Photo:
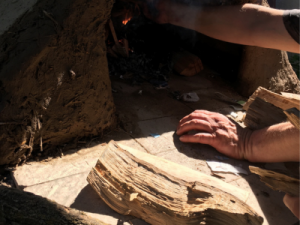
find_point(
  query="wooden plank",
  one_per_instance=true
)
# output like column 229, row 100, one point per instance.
column 113, row 32
column 161, row 192
column 293, row 116
column 261, row 114
column 284, row 102
column 278, row 181
column 126, row 46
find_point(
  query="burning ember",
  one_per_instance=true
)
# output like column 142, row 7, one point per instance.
column 125, row 21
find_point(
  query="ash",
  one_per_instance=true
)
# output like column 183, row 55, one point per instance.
column 150, row 55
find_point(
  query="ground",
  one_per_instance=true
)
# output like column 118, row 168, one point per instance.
column 145, row 111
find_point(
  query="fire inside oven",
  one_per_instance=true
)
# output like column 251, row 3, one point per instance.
column 141, row 50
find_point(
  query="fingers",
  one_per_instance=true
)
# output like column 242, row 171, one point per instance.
column 292, row 203
column 202, row 138
column 195, row 124
column 198, row 114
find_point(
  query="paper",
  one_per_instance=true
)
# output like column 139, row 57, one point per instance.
column 225, row 167
column 190, row 97
column 233, row 114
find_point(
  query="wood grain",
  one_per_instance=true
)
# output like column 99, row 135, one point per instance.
column 285, row 101
column 293, row 116
column 261, row 114
column 277, row 181
column 161, row 192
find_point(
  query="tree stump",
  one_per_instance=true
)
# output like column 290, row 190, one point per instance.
column 54, row 81
column 162, row 192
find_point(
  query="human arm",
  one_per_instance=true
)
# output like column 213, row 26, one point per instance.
column 277, row 143
column 247, row 24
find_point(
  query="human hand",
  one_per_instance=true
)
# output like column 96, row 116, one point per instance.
column 216, row 130
column 292, row 203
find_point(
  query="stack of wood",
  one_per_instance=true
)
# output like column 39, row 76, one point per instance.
column 162, row 192
column 265, row 108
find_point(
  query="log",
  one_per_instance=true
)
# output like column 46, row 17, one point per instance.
column 261, row 114
column 162, row 192
column 285, row 101
column 117, row 47
column 293, row 116
column 18, row 207
column 278, row 181
column 37, row 87
column 187, row 64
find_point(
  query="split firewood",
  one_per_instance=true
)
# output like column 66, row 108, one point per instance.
column 126, row 46
column 111, row 52
column 291, row 96
column 113, row 32
column 19, row 207
column 284, row 101
column 293, row 116
column 261, row 114
column 158, row 191
column 278, row 181
column 187, row 64
column 117, row 47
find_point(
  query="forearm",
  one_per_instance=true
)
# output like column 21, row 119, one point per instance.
column 277, row 143
column 247, row 24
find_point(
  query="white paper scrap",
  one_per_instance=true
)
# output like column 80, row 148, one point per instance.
column 190, row 97
column 225, row 167
column 234, row 115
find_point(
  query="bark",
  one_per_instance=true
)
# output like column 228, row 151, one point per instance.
column 54, row 81
column 18, row 207
column 162, row 192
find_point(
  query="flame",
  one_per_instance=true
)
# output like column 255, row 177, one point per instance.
column 125, row 21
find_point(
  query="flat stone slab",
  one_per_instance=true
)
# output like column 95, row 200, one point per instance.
column 75, row 192
column 35, row 173
column 63, row 180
